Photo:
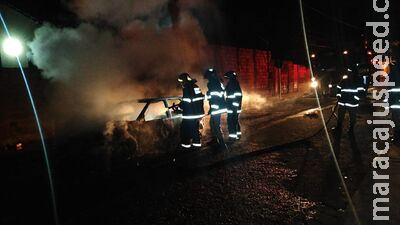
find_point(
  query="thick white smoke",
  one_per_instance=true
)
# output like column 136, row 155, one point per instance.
column 122, row 50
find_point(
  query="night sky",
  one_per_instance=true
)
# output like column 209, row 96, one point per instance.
column 332, row 25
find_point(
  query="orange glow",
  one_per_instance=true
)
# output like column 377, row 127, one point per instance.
column 19, row 147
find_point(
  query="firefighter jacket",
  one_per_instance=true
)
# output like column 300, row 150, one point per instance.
column 234, row 96
column 216, row 97
column 192, row 102
column 394, row 91
column 349, row 92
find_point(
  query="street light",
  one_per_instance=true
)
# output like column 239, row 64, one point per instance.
column 12, row 47
column 345, row 52
column 313, row 56
column 314, row 83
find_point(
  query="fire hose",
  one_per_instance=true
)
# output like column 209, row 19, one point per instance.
column 333, row 114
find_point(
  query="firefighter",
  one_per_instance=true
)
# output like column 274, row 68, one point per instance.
column 349, row 91
column 192, row 112
column 394, row 92
column 234, row 105
column 216, row 98
column 364, row 72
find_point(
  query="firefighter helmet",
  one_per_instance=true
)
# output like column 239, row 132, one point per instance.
column 363, row 69
column 230, row 75
column 210, row 73
column 184, row 77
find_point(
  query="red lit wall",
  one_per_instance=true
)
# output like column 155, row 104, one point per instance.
column 257, row 69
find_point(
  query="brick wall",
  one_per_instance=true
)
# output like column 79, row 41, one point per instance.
column 257, row 70
column 262, row 61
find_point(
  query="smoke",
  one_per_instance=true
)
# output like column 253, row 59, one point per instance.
column 122, row 50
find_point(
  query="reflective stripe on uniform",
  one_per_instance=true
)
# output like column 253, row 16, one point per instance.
column 231, row 96
column 350, row 90
column 219, row 111
column 198, row 99
column 214, row 106
column 239, row 111
column 235, row 104
column 233, row 135
column 356, row 97
column 219, row 94
column 196, row 144
column 186, row 100
column 339, row 95
column 395, row 107
column 394, row 90
column 239, row 133
column 197, row 91
column 230, row 111
column 186, row 146
column 348, row 104
column 192, row 117
column 238, row 94
column 339, row 87
column 361, row 89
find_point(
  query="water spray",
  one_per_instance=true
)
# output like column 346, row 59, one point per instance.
column 15, row 51
column 323, row 120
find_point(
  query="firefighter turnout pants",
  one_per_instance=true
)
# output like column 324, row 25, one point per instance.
column 233, row 125
column 190, row 134
column 215, row 124
column 352, row 114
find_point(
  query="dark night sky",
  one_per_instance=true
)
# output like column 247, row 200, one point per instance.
column 331, row 24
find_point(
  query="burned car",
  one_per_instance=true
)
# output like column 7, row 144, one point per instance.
column 154, row 131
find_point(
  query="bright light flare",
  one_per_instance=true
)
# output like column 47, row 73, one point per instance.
column 313, row 56
column 12, row 47
column 314, row 83
column 330, row 85
column 345, row 52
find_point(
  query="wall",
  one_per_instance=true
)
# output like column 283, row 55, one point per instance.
column 258, row 71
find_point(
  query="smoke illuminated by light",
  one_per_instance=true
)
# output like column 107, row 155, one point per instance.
column 254, row 100
column 121, row 60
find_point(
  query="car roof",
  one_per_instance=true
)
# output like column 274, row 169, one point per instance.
column 154, row 100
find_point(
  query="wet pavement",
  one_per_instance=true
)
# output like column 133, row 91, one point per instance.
column 280, row 172
column 260, row 180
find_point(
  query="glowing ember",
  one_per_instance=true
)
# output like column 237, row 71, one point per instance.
column 19, row 147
